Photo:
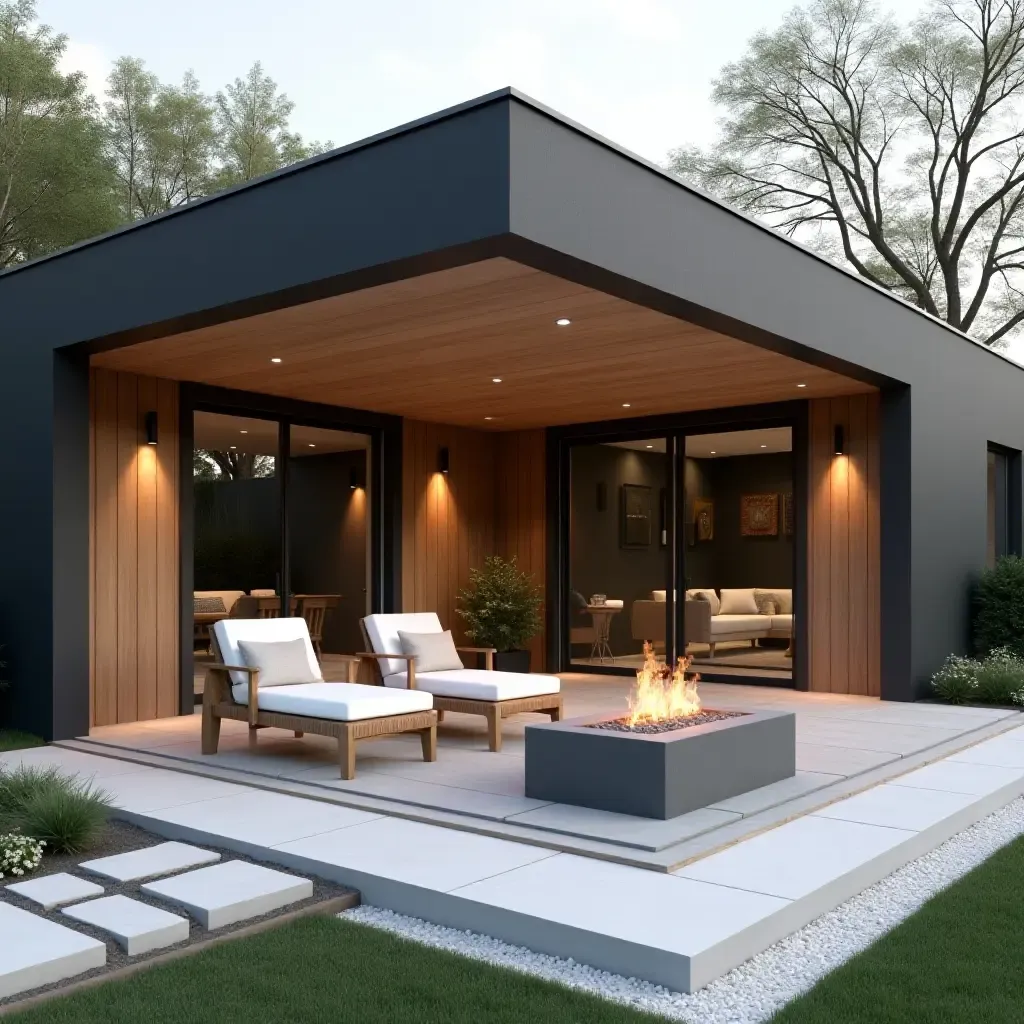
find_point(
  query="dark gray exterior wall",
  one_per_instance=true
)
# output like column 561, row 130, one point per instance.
column 495, row 177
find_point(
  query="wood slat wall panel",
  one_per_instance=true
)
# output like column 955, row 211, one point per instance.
column 843, row 548
column 134, row 542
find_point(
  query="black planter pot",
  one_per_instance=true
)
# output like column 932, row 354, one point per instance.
column 512, row 661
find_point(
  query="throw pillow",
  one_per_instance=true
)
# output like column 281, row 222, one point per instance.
column 738, row 602
column 207, row 605
column 434, row 652
column 281, row 662
column 710, row 596
column 782, row 599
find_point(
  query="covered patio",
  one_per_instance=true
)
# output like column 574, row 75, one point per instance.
column 845, row 744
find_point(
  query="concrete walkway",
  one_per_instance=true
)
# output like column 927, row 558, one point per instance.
column 680, row 929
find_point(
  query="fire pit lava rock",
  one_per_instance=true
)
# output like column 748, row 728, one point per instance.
column 599, row 761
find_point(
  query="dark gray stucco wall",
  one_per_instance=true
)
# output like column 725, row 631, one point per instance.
column 653, row 240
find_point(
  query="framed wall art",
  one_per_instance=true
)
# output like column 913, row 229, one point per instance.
column 635, row 516
column 759, row 515
column 703, row 519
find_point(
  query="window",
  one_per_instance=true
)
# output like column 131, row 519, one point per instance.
column 1004, row 507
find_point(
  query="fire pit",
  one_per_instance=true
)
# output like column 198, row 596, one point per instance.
column 666, row 756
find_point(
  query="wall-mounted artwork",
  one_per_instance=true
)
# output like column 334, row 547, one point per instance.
column 759, row 515
column 636, row 516
column 787, row 515
column 703, row 519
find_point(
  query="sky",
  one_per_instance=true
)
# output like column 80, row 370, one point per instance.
column 639, row 72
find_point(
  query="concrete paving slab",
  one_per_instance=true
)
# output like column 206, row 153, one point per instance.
column 36, row 952
column 960, row 777
column 898, row 807
column 51, row 891
column 151, row 862
column 135, row 926
column 233, row 891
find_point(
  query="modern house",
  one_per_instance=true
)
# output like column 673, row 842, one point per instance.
column 488, row 331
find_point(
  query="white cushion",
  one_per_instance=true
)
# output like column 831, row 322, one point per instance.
column 745, row 625
column 281, row 662
column 342, row 702
column 659, row 595
column 480, row 684
column 738, row 602
column 434, row 652
column 228, row 632
column 384, row 639
column 783, row 598
column 711, row 596
column 782, row 624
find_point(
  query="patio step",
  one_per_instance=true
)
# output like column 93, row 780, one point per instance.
column 150, row 862
column 136, row 927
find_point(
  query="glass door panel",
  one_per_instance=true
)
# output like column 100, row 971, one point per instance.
column 619, row 551
column 739, row 552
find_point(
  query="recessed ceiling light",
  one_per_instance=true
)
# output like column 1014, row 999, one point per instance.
column 495, row 380
column 243, row 431
column 275, row 359
column 312, row 446
column 764, row 446
column 488, row 417
column 625, row 405
column 650, row 446
column 563, row 321
column 801, row 385
column 234, row 446
column 714, row 453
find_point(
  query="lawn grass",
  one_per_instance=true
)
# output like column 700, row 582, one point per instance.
column 321, row 969
column 957, row 959
column 11, row 739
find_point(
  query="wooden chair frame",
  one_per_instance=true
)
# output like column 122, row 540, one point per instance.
column 493, row 711
column 219, row 703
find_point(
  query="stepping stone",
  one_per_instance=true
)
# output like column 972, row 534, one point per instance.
column 230, row 892
column 36, row 952
column 152, row 862
column 136, row 926
column 52, row 890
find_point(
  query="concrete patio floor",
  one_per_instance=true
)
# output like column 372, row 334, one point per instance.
column 844, row 744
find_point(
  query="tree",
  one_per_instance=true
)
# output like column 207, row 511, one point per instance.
column 161, row 139
column 56, row 186
column 252, row 121
column 899, row 149
column 212, row 464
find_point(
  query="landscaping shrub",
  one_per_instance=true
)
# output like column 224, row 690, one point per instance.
column 19, row 854
column 999, row 608
column 957, row 680
column 1000, row 677
column 46, row 804
column 501, row 606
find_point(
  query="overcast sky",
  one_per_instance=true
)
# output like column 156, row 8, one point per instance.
column 637, row 71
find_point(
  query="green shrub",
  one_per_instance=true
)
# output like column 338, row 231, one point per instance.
column 63, row 811
column 501, row 606
column 957, row 680
column 1000, row 677
column 999, row 608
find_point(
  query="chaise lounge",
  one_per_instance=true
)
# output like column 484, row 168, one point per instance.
column 412, row 651
column 267, row 675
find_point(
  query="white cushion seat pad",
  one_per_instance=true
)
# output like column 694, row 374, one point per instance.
column 782, row 623
column 341, row 702
column 480, row 684
column 747, row 625
column 229, row 631
column 383, row 633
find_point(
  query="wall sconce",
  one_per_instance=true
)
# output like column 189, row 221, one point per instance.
column 151, row 428
column 839, row 440
column 443, row 461
column 355, row 479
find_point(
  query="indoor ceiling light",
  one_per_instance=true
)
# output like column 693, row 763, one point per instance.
column 563, row 321
column 243, row 431
column 233, row 446
column 714, row 453
column 275, row 359
column 495, row 380
column 650, row 446
column 764, row 446
column 312, row 446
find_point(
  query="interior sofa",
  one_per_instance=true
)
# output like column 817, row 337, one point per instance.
column 752, row 613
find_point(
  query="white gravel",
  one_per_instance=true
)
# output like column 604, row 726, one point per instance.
column 753, row 991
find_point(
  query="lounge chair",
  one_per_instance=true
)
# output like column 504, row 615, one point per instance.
column 494, row 695
column 348, row 711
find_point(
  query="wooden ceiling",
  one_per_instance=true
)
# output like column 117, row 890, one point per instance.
column 428, row 348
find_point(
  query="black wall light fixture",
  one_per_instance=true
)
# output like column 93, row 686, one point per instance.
column 443, row 461
column 353, row 479
column 839, row 440
column 151, row 428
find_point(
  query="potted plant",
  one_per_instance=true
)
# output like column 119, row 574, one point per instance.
column 501, row 608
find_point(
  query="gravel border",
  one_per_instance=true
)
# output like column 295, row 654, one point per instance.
column 122, row 837
column 755, row 990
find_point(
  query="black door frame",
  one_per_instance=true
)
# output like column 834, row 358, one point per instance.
column 674, row 428
column 384, row 482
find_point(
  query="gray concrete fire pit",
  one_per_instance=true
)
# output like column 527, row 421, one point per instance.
column 597, row 762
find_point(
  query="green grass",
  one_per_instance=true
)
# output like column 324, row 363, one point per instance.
column 11, row 739
column 321, row 970
column 957, row 959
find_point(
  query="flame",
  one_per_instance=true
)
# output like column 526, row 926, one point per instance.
column 660, row 693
